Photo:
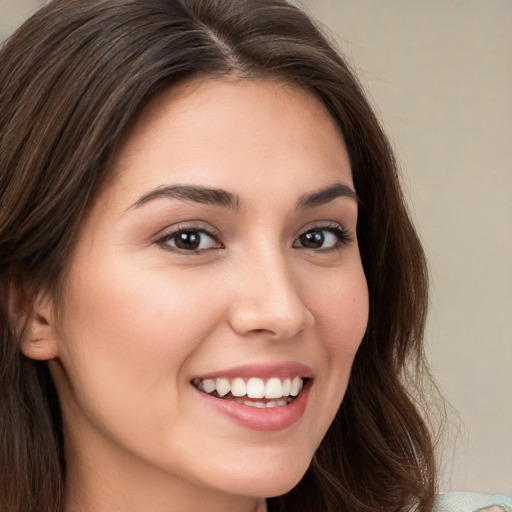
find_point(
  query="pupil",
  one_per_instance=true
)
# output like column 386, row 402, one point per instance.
column 312, row 239
column 188, row 240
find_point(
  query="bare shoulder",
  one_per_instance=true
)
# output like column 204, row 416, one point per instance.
column 473, row 502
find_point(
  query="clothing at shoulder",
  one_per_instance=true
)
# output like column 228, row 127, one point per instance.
column 473, row 502
column 462, row 502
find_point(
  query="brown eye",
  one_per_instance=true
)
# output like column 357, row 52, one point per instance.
column 189, row 240
column 323, row 239
column 312, row 239
column 192, row 240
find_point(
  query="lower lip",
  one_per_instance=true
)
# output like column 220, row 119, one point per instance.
column 254, row 418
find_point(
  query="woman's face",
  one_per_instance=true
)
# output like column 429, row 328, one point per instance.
column 222, row 255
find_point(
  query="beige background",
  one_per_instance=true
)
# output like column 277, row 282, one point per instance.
column 440, row 72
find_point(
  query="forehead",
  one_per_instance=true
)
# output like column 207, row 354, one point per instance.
column 206, row 130
column 229, row 96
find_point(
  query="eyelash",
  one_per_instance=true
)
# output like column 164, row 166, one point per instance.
column 181, row 230
column 342, row 235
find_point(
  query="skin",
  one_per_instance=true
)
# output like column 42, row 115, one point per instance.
column 140, row 318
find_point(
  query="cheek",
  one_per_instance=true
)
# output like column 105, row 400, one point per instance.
column 341, row 314
column 341, row 311
column 129, row 333
column 130, row 324
column 344, row 319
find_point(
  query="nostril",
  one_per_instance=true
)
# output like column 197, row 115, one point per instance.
column 276, row 311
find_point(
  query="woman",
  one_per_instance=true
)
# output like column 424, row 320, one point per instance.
column 212, row 293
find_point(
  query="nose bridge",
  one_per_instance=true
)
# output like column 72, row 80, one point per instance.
column 268, row 297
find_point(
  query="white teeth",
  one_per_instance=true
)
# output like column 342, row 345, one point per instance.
column 261, row 405
column 295, row 388
column 273, row 388
column 198, row 384
column 208, row 385
column 258, row 405
column 238, row 387
column 222, row 386
column 255, row 388
column 287, row 384
column 277, row 403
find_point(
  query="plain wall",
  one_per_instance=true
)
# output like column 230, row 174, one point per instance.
column 440, row 72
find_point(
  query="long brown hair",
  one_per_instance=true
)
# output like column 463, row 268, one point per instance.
column 71, row 79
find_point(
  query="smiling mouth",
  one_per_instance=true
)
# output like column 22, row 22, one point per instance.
column 254, row 391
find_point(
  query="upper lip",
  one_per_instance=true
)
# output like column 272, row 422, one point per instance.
column 264, row 371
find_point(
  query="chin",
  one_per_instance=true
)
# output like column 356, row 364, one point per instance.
column 274, row 478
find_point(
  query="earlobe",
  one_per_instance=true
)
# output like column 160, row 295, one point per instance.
column 38, row 340
column 31, row 318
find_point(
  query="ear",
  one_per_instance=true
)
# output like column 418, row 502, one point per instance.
column 32, row 317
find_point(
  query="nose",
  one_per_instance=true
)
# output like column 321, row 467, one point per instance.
column 268, row 301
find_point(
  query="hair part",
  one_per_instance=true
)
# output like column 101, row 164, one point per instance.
column 73, row 76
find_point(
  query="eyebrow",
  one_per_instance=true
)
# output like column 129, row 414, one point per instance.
column 225, row 199
column 197, row 194
column 326, row 195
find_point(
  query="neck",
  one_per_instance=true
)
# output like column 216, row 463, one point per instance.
column 113, row 495
column 121, row 483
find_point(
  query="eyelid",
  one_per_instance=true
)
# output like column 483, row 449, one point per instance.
column 327, row 225
column 335, row 227
column 176, row 229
